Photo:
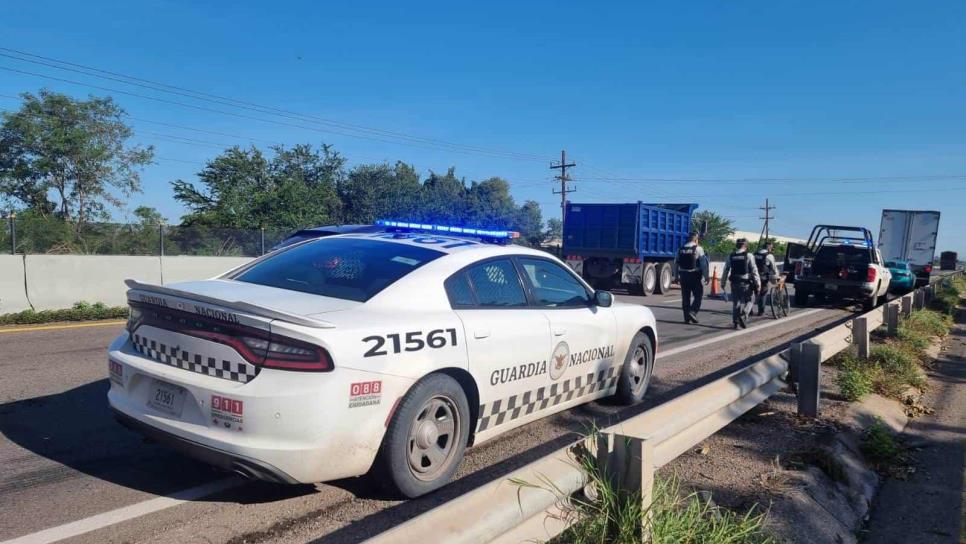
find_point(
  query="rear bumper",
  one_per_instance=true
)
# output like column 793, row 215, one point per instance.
column 837, row 288
column 247, row 466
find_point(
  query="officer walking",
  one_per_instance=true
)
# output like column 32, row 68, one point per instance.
column 767, row 270
column 692, row 264
column 740, row 269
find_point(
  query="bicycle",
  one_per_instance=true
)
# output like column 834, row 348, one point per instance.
column 778, row 299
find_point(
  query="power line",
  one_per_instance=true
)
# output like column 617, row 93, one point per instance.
column 268, row 110
column 868, row 179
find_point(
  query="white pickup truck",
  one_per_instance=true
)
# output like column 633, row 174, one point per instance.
column 838, row 263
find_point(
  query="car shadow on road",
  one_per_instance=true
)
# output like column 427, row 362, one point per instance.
column 73, row 434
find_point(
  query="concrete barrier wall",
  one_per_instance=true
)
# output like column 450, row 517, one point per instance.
column 13, row 293
column 175, row 269
column 58, row 281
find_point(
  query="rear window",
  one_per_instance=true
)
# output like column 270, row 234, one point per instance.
column 346, row 268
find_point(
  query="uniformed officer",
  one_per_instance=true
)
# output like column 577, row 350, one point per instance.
column 692, row 265
column 767, row 270
column 740, row 269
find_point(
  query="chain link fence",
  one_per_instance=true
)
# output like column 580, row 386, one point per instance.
column 55, row 237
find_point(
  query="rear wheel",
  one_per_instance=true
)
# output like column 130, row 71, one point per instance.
column 872, row 301
column 636, row 372
column 649, row 278
column 663, row 278
column 426, row 438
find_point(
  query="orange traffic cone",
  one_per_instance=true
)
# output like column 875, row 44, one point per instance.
column 715, row 288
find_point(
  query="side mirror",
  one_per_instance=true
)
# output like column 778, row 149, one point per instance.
column 603, row 299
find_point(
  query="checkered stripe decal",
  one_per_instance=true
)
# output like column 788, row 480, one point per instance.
column 508, row 409
column 174, row 356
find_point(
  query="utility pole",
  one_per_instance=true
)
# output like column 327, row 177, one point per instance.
column 564, row 178
column 768, row 217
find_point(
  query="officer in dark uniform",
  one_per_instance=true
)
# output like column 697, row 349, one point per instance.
column 741, row 271
column 692, row 266
column 767, row 270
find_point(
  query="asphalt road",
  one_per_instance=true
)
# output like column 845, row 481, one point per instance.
column 70, row 469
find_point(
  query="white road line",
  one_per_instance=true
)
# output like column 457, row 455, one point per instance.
column 107, row 519
column 715, row 339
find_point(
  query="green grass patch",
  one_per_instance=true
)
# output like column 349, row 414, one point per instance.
column 675, row 516
column 856, row 377
column 946, row 299
column 81, row 311
column 898, row 369
column 883, row 451
column 929, row 322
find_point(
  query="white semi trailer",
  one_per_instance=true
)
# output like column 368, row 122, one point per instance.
column 910, row 235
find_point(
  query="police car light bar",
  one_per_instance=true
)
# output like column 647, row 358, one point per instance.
column 445, row 229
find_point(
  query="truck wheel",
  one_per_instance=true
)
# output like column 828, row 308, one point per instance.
column 663, row 279
column 426, row 438
column 801, row 298
column 649, row 275
column 635, row 373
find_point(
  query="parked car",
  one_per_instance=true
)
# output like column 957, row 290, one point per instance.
column 302, row 235
column 839, row 262
column 390, row 351
column 903, row 278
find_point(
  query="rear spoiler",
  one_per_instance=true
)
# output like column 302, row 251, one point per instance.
column 235, row 305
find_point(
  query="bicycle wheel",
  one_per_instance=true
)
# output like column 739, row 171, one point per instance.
column 786, row 301
column 774, row 302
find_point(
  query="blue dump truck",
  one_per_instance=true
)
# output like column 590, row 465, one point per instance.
column 626, row 246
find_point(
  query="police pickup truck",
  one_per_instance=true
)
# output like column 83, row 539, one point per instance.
column 838, row 263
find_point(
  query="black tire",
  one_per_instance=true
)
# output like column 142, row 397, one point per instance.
column 869, row 303
column 663, row 279
column 648, row 278
column 801, row 297
column 635, row 373
column 413, row 426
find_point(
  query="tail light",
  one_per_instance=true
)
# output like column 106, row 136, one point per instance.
column 843, row 273
column 799, row 266
column 870, row 275
column 927, row 269
column 632, row 260
column 258, row 347
column 574, row 258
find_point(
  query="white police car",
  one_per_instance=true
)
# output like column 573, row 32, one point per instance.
column 387, row 351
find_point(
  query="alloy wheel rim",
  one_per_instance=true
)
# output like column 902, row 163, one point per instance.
column 639, row 369
column 432, row 438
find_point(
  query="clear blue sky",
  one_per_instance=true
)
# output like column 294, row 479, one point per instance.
column 703, row 90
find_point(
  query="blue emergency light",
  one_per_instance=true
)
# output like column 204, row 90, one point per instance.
column 452, row 230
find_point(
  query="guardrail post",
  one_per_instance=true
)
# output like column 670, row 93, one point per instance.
column 627, row 463
column 906, row 306
column 892, row 318
column 860, row 336
column 809, row 379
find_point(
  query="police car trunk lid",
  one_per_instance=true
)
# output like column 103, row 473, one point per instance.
column 195, row 327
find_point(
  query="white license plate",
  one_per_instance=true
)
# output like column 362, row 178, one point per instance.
column 831, row 287
column 166, row 397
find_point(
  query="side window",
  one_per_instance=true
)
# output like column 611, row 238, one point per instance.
column 553, row 285
column 459, row 292
column 496, row 284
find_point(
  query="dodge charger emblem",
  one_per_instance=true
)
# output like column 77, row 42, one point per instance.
column 559, row 361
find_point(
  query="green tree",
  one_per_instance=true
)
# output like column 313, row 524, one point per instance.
column 554, row 230
column 719, row 227
column 380, row 191
column 244, row 189
column 70, row 158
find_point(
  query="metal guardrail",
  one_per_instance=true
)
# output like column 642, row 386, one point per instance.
column 504, row 511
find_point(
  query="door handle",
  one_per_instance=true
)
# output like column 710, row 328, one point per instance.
column 559, row 331
column 481, row 333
